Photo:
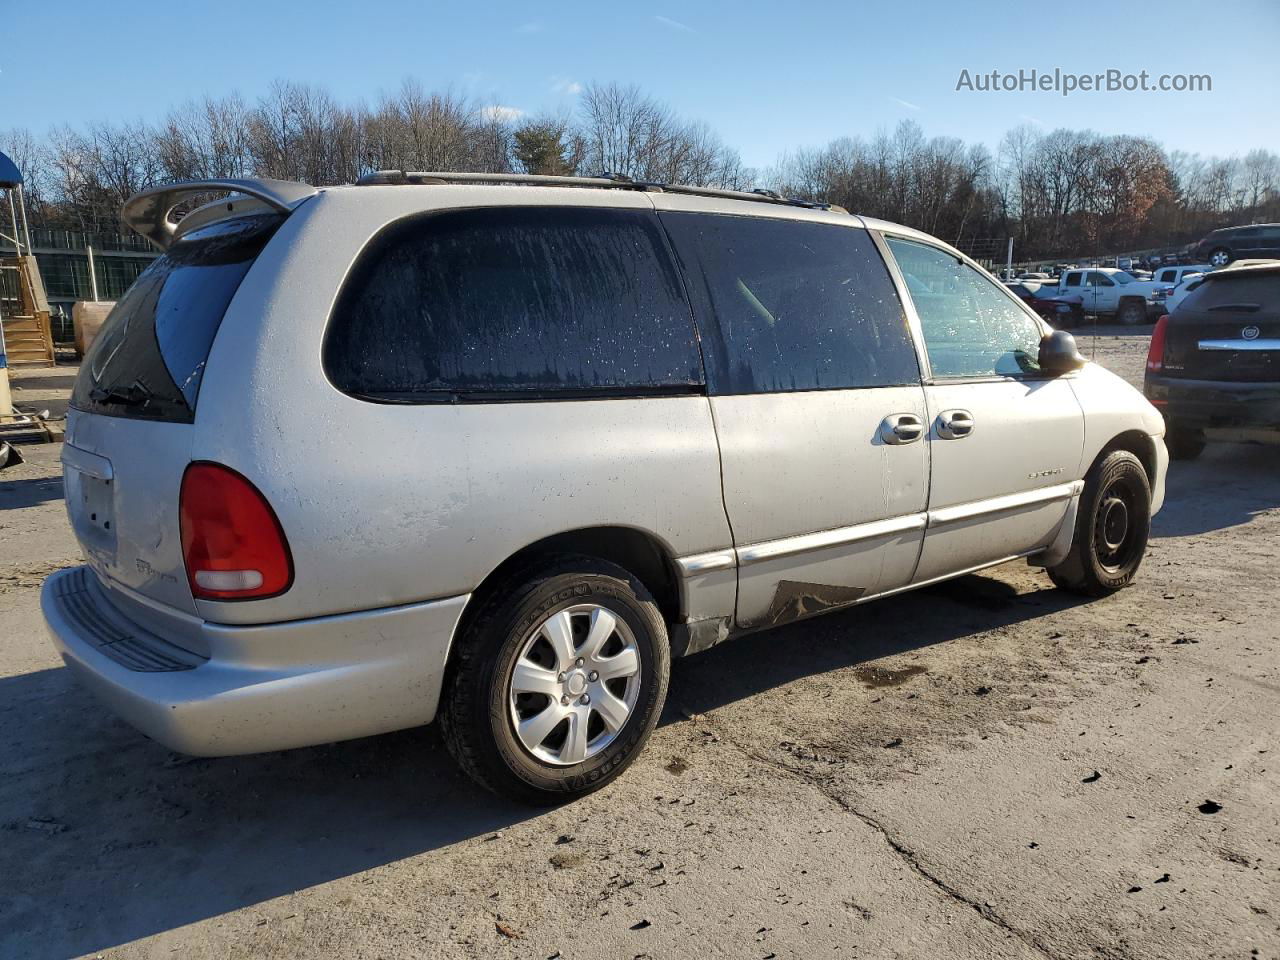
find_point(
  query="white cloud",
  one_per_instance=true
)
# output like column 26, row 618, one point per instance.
column 674, row 24
column 498, row 112
column 906, row 103
column 1036, row 120
column 533, row 26
column 563, row 85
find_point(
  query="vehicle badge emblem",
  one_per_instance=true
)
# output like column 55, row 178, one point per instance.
column 1250, row 333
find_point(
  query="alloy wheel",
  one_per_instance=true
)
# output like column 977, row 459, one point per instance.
column 574, row 684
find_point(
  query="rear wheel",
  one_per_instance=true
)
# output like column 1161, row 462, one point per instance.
column 557, row 682
column 1113, row 523
column 1133, row 312
column 1184, row 443
column 1220, row 257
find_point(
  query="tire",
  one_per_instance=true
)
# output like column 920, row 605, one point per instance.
column 1093, row 568
column 1220, row 257
column 480, row 710
column 1184, row 443
column 1132, row 312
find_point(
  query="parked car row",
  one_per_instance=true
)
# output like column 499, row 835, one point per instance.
column 1214, row 251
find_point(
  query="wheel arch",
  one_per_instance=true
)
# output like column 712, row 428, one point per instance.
column 1140, row 444
column 640, row 552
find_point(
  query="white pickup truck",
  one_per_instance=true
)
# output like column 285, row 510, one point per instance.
column 1106, row 291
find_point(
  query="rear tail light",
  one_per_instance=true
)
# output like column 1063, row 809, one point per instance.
column 232, row 543
column 1155, row 353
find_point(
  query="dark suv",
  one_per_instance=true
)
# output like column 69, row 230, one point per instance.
column 1214, row 363
column 1236, row 243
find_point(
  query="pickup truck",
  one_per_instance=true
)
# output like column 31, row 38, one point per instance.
column 1108, row 291
column 1167, row 278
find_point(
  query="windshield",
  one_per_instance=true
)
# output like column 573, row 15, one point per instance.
column 149, row 358
column 1122, row 278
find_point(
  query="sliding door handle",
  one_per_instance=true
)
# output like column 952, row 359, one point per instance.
column 900, row 428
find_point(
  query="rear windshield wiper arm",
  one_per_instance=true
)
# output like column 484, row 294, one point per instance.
column 134, row 395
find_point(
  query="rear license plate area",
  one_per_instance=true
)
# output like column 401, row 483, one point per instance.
column 93, row 513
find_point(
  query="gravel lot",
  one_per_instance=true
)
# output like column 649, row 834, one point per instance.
column 988, row 768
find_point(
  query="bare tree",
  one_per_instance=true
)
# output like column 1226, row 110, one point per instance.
column 1058, row 192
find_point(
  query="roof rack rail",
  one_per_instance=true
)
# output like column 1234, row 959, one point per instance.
column 606, row 181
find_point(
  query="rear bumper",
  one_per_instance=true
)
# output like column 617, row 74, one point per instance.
column 1209, row 404
column 267, row 687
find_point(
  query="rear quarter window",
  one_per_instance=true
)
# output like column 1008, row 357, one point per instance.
column 513, row 303
column 148, row 360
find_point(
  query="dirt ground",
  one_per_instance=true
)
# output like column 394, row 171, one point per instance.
column 986, row 769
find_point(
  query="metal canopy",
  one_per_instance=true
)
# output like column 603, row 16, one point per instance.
column 10, row 175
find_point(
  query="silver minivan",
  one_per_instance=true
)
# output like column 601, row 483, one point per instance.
column 495, row 449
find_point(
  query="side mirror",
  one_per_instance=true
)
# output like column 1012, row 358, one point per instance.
column 1058, row 354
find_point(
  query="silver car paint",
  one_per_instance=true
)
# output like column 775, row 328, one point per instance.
column 266, row 687
column 441, row 506
column 143, row 551
column 1027, row 439
column 800, row 463
column 394, row 514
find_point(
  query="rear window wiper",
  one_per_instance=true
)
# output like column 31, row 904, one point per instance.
column 134, row 395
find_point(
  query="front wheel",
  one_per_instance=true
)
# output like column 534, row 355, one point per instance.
column 1113, row 522
column 557, row 682
column 1133, row 312
column 1220, row 257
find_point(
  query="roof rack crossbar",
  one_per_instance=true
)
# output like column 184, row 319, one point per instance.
column 606, row 181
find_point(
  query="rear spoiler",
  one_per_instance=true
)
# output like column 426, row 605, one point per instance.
column 147, row 213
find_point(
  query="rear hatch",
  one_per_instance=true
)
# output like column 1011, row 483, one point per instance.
column 1228, row 329
column 134, row 403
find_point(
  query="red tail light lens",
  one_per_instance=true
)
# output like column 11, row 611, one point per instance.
column 232, row 543
column 1155, row 353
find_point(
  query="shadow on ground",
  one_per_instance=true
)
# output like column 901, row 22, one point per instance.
column 948, row 611
column 147, row 841
column 16, row 494
column 44, row 381
column 106, row 838
column 1227, row 486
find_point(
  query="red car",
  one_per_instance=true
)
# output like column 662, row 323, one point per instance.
column 1061, row 310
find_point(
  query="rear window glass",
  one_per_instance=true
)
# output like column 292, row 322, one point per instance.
column 149, row 357
column 1246, row 292
column 514, row 303
column 786, row 305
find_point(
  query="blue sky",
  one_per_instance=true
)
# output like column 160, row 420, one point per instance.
column 766, row 76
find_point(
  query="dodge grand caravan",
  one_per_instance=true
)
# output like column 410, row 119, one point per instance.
column 495, row 449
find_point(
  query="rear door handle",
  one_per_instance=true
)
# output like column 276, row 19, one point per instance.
column 900, row 428
column 955, row 424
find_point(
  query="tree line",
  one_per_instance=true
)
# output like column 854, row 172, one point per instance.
column 1057, row 193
